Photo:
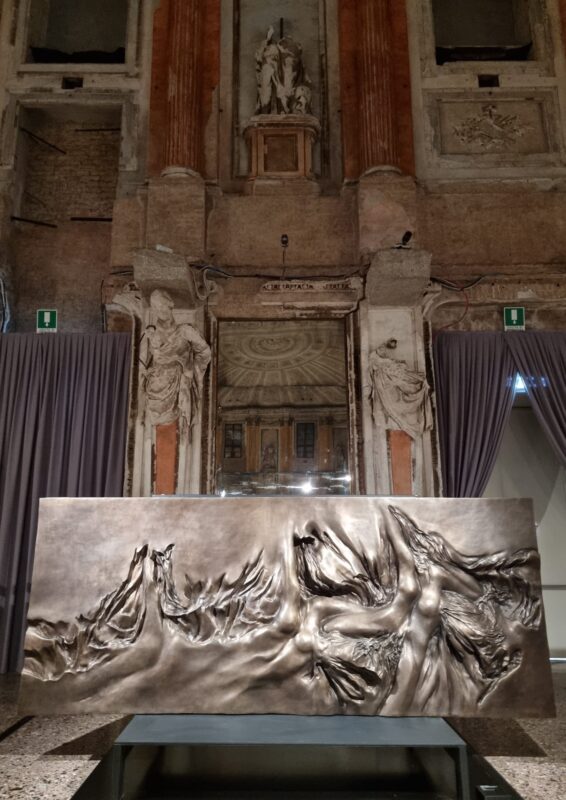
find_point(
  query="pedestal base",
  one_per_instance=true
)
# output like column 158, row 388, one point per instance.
column 281, row 147
column 343, row 756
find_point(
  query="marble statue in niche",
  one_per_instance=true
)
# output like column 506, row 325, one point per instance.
column 283, row 84
column 402, row 394
column 178, row 359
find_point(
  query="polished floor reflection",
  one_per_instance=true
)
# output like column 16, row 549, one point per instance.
column 50, row 757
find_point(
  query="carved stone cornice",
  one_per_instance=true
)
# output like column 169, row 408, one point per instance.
column 337, row 295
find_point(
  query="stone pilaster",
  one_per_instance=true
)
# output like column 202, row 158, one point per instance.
column 396, row 410
column 184, row 137
column 379, row 143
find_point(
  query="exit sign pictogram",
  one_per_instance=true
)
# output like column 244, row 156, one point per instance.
column 514, row 319
column 46, row 320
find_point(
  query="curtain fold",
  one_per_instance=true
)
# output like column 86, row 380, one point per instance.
column 540, row 357
column 63, row 426
column 474, row 395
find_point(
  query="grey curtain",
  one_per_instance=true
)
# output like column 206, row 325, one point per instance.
column 63, row 424
column 474, row 395
column 540, row 357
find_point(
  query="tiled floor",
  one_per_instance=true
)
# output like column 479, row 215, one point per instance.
column 48, row 758
column 529, row 754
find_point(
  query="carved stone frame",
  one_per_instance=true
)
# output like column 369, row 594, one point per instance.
column 213, row 316
column 131, row 45
column 543, row 79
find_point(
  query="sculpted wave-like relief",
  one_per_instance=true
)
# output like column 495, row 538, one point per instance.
column 393, row 619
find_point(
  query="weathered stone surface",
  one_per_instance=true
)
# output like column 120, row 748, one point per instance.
column 128, row 230
column 189, row 286
column 61, row 269
column 243, row 230
column 398, row 277
column 176, row 214
column 387, row 208
column 493, row 224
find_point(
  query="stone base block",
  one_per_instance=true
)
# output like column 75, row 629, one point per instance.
column 282, row 186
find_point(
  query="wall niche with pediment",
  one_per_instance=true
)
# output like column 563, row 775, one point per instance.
column 313, row 24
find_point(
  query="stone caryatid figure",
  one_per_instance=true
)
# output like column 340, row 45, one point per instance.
column 283, row 84
column 178, row 359
column 402, row 394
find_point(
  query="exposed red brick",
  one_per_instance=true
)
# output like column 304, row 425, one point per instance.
column 353, row 68
column 349, row 77
column 208, row 79
column 401, row 455
column 166, row 458
column 158, row 95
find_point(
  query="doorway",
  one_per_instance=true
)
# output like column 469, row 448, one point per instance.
column 282, row 416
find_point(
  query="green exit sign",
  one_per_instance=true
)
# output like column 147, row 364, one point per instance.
column 46, row 320
column 514, row 319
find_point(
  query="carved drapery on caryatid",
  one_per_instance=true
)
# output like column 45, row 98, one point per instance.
column 184, row 138
column 409, row 606
column 379, row 145
column 178, row 358
column 283, row 86
column 400, row 395
column 166, row 405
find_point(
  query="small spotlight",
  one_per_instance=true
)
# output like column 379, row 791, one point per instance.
column 223, row 493
column 404, row 243
column 307, row 488
column 284, row 240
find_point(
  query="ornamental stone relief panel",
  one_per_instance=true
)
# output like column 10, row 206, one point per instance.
column 360, row 605
column 470, row 133
column 494, row 126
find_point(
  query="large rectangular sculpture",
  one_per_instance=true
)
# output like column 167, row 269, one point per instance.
column 345, row 605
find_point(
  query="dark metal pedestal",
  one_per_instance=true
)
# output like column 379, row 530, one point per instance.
column 429, row 739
